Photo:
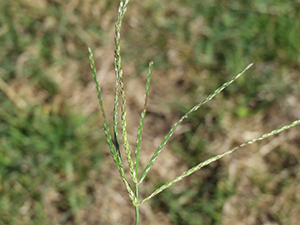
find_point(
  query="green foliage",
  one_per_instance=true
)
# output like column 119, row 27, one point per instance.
column 43, row 150
column 203, row 203
column 223, row 38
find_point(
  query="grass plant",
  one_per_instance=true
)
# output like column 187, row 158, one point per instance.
column 54, row 166
column 114, row 145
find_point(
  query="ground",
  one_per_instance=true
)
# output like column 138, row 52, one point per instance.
column 54, row 163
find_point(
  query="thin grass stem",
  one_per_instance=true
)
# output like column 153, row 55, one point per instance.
column 105, row 124
column 124, row 132
column 136, row 205
column 143, row 114
column 115, row 120
column 112, row 149
column 119, row 81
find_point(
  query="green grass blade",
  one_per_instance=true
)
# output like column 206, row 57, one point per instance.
column 205, row 163
column 115, row 156
column 196, row 107
column 143, row 114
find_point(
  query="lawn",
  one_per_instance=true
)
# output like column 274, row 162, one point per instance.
column 55, row 167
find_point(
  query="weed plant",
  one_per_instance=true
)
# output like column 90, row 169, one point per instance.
column 113, row 139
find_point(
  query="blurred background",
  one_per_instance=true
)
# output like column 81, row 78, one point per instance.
column 55, row 167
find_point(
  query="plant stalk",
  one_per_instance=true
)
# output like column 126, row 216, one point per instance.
column 137, row 213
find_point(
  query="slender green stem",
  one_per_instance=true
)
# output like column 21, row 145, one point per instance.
column 205, row 163
column 112, row 149
column 124, row 132
column 106, row 128
column 143, row 114
column 137, row 214
column 119, row 81
column 196, row 107
column 115, row 130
